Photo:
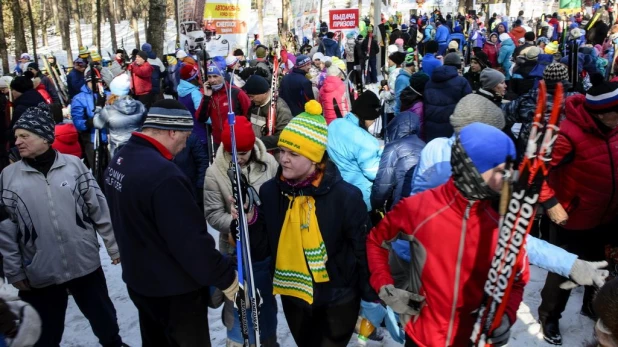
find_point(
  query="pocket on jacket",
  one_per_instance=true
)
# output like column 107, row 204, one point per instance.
column 39, row 271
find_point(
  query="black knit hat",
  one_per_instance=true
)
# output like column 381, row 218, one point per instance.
column 119, row 51
column 238, row 52
column 21, row 84
column 529, row 36
column 255, row 85
column 397, row 57
column 481, row 58
column 34, row 66
column 418, row 81
column 143, row 55
column 367, row 106
column 169, row 114
column 37, row 120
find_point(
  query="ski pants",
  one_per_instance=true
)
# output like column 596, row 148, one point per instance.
column 174, row 321
column 331, row 325
column 442, row 47
column 588, row 245
column 91, row 296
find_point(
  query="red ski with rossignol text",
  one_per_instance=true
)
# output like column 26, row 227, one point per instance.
column 517, row 220
column 272, row 112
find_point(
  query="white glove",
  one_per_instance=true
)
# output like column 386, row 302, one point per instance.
column 28, row 325
column 585, row 273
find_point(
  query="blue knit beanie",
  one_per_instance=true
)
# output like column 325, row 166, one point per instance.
column 486, row 145
column 146, row 47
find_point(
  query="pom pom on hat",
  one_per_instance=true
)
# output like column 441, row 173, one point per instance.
column 120, row 85
column 313, row 108
column 245, row 137
column 551, row 48
column 146, row 47
column 306, row 134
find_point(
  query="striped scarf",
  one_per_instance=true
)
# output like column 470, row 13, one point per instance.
column 301, row 256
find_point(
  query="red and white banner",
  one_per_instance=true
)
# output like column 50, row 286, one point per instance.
column 343, row 19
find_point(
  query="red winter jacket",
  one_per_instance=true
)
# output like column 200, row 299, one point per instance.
column 492, row 51
column 217, row 108
column 141, row 78
column 67, row 140
column 452, row 256
column 584, row 172
column 333, row 88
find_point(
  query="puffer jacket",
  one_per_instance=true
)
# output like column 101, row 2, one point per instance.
column 343, row 225
column 191, row 97
column 121, row 118
column 507, row 47
column 258, row 116
column 355, row 152
column 67, row 140
column 218, row 187
column 82, row 109
column 296, row 90
column 333, row 88
column 452, row 279
column 329, row 47
column 75, row 81
column 492, row 50
column 141, row 78
column 401, row 153
column 401, row 82
column 442, row 94
column 392, row 77
column 583, row 171
column 73, row 210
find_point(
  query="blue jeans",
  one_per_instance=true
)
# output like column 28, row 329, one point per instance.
column 268, row 310
column 372, row 72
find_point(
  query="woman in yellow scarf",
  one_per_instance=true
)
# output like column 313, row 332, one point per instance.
column 314, row 225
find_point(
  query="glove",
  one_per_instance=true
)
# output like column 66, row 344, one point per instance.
column 231, row 291
column 29, row 329
column 585, row 273
column 89, row 123
column 399, row 299
column 391, row 321
column 374, row 312
column 500, row 336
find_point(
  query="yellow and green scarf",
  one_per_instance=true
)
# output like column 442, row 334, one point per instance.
column 301, row 255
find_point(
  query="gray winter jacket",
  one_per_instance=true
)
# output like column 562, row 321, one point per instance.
column 51, row 234
column 123, row 117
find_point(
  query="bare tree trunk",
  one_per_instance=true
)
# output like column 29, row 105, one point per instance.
column 134, row 22
column 121, row 10
column 78, row 24
column 285, row 15
column 32, row 30
column 155, row 34
column 260, row 11
column 95, row 23
column 111, row 14
column 54, row 7
column 65, row 33
column 360, row 8
column 4, row 52
column 98, row 27
column 44, row 20
column 18, row 29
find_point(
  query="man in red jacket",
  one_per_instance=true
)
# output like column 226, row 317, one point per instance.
column 141, row 78
column 215, row 105
column 453, row 231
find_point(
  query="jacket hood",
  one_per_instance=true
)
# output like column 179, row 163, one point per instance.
column 185, row 88
column 223, row 159
column 444, row 73
column 85, row 89
column 66, row 133
column 576, row 113
column 29, row 98
column 405, row 123
column 331, row 177
column 331, row 84
column 129, row 106
column 507, row 42
column 329, row 42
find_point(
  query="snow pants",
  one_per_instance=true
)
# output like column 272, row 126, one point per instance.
column 325, row 326
column 91, row 296
column 588, row 245
column 175, row 321
column 372, row 73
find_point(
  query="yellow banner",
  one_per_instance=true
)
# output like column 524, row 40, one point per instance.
column 223, row 10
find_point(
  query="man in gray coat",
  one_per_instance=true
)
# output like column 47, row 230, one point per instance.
column 49, row 242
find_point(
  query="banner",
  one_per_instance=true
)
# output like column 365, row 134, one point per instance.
column 305, row 16
column 568, row 4
column 343, row 19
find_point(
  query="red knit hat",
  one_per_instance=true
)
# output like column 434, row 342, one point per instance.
column 188, row 72
column 245, row 137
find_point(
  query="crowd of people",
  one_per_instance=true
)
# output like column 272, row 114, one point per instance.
column 379, row 206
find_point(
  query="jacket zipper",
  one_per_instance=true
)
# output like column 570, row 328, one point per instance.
column 54, row 217
column 462, row 242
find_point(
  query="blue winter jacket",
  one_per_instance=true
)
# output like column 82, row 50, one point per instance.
column 355, row 152
column 401, row 153
column 190, row 96
column 428, row 29
column 507, row 47
column 82, row 108
column 430, row 63
column 75, row 81
column 329, row 47
column 442, row 93
column 434, row 169
column 401, row 82
column 460, row 38
column 442, row 34
column 296, row 90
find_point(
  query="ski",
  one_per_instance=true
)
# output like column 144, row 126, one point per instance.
column 62, row 94
column 517, row 218
column 274, row 88
column 247, row 296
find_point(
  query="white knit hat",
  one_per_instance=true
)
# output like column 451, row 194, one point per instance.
column 181, row 54
column 121, row 85
column 392, row 49
column 5, row 81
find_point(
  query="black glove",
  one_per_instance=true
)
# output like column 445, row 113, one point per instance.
column 89, row 123
column 500, row 336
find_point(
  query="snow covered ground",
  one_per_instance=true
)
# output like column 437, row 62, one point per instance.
column 576, row 329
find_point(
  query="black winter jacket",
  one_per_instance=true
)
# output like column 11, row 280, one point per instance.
column 193, row 161
column 402, row 152
column 344, row 225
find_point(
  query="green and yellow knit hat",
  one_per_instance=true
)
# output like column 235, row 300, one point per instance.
column 83, row 52
column 306, row 133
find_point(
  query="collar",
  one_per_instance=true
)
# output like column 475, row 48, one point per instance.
column 156, row 144
column 58, row 162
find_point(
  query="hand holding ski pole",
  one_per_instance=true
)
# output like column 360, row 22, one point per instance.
column 230, row 292
column 558, row 215
column 501, row 335
column 399, row 299
column 585, row 273
column 234, row 211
